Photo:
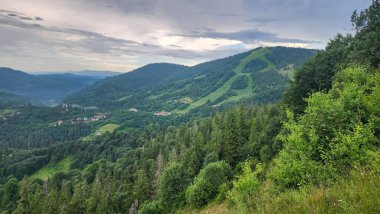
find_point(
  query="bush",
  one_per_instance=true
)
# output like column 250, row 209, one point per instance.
column 245, row 186
column 153, row 207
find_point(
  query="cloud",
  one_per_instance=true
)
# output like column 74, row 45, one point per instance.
column 122, row 35
column 247, row 36
column 263, row 20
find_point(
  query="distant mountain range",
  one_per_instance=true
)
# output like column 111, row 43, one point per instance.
column 257, row 76
column 89, row 73
column 49, row 89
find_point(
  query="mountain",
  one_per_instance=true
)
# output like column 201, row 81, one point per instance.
column 98, row 74
column 118, row 86
column 42, row 89
column 257, row 76
column 87, row 73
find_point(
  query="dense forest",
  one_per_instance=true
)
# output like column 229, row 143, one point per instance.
column 315, row 151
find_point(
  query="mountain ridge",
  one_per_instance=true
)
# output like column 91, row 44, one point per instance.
column 207, row 84
column 48, row 89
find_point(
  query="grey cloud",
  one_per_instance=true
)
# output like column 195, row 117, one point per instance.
column 218, row 14
column 263, row 20
column 98, row 43
column 247, row 36
column 25, row 18
column 287, row 21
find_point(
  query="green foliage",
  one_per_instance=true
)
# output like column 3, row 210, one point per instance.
column 366, row 46
column 318, row 72
column 207, row 183
column 172, row 187
column 358, row 193
column 11, row 100
column 335, row 133
column 255, row 65
column 9, row 194
column 162, row 86
column 49, row 170
column 245, row 187
column 153, row 207
column 323, row 160
column 240, row 83
column 32, row 126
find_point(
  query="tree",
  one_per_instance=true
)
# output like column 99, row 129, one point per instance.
column 172, row 185
column 206, row 184
column 335, row 134
column 366, row 47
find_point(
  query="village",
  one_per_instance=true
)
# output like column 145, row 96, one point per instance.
column 5, row 116
column 158, row 113
column 96, row 117
column 101, row 116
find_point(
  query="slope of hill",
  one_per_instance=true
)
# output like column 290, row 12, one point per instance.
column 42, row 89
column 8, row 99
column 257, row 76
column 117, row 87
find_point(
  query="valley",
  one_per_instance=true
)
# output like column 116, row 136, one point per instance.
column 274, row 129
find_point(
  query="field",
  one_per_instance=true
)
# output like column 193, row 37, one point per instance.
column 108, row 128
column 49, row 170
column 7, row 111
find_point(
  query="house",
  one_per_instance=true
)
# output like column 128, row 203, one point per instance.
column 60, row 122
column 132, row 110
column 162, row 113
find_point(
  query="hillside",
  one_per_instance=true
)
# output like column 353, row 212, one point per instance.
column 257, row 76
column 8, row 99
column 42, row 89
column 117, row 87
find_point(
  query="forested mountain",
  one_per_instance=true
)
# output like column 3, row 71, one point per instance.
column 97, row 74
column 42, row 89
column 317, row 151
column 116, row 87
column 257, row 76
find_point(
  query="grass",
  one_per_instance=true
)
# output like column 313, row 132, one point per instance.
column 185, row 100
column 213, row 208
column 7, row 111
column 357, row 193
column 108, row 128
column 287, row 71
column 124, row 98
column 49, row 170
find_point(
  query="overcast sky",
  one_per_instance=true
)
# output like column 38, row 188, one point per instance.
column 120, row 35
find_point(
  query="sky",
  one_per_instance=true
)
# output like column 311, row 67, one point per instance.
column 121, row 35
